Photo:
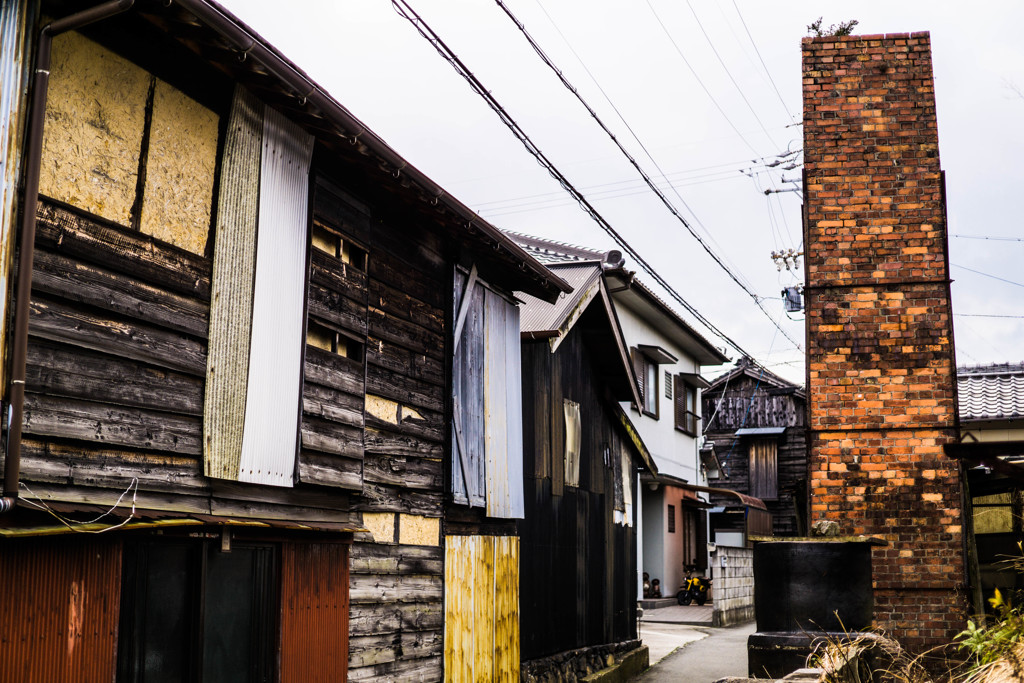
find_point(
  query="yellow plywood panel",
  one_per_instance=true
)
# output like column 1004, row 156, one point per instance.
column 95, row 115
column 458, row 609
column 381, row 525
column 382, row 408
column 506, row 609
column 483, row 609
column 417, row 530
column 180, row 170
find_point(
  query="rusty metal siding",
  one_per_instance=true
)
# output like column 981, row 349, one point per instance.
column 15, row 18
column 59, row 611
column 481, row 608
column 270, row 439
column 314, row 612
column 234, row 260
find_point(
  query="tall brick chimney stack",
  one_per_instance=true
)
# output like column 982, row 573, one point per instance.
column 881, row 374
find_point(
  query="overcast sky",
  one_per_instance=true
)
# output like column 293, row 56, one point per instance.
column 711, row 89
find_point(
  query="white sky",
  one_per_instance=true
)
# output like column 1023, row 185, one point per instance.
column 375, row 63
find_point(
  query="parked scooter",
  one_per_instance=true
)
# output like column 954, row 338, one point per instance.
column 695, row 589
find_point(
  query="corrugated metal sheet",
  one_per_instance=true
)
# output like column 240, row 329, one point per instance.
column 481, row 608
column 59, row 611
column 540, row 316
column 503, row 408
column 314, row 612
column 14, row 21
column 234, row 260
column 270, row 440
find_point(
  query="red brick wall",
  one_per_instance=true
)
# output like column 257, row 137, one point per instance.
column 881, row 380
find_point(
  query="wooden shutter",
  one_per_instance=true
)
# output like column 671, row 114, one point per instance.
column 487, row 444
column 764, row 481
column 680, row 402
column 573, row 439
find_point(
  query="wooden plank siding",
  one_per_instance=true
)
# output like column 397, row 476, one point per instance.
column 578, row 566
column 767, row 408
column 481, row 610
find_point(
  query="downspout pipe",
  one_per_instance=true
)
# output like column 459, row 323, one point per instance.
column 27, row 238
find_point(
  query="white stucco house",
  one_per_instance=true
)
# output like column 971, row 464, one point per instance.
column 668, row 355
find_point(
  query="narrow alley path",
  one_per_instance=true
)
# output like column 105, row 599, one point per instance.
column 722, row 653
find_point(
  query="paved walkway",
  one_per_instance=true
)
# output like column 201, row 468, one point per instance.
column 701, row 654
column 680, row 614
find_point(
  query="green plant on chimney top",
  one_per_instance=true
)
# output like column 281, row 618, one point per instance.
column 843, row 28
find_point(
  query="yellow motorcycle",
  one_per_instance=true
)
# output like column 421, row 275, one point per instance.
column 695, row 589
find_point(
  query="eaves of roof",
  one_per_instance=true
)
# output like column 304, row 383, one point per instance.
column 223, row 40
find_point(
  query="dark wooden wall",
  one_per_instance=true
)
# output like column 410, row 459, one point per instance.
column 578, row 568
column 770, row 407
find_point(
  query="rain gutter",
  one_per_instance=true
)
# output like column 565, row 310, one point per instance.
column 27, row 239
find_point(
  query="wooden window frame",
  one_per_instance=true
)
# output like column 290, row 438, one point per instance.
column 687, row 419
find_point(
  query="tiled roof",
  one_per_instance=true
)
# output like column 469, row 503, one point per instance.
column 549, row 251
column 990, row 392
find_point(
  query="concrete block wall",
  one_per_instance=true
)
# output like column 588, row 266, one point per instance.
column 881, row 370
column 733, row 586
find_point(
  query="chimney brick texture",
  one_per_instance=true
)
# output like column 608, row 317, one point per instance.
column 880, row 366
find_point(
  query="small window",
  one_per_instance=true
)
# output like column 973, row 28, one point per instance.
column 687, row 418
column 332, row 243
column 668, row 385
column 573, row 439
column 671, row 519
column 323, row 337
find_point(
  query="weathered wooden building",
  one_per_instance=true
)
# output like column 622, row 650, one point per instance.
column 581, row 459
column 667, row 356
column 228, row 379
column 757, row 423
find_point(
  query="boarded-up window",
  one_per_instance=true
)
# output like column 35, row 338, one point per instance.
column 254, row 366
column 481, row 608
column 487, row 448
column 764, row 470
column 573, row 439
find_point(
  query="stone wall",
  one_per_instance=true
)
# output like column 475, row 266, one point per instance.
column 577, row 665
column 881, row 379
column 733, row 586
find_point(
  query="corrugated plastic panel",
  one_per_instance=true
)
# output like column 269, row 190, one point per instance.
column 481, row 608
column 234, row 260
column 14, row 20
column 514, row 412
column 270, row 440
column 59, row 611
column 314, row 612
column 540, row 316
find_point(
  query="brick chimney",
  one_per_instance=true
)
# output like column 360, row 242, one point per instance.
column 881, row 373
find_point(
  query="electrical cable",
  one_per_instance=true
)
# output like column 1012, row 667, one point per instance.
column 405, row 11
column 984, row 274
column 767, row 72
column 643, row 174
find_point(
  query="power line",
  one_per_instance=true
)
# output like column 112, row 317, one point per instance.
column 766, row 71
column 989, row 275
column 729, row 73
column 699, row 81
column 404, row 10
column 643, row 174
column 985, row 315
column 990, row 237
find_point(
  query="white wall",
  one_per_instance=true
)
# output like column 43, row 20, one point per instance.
column 662, row 556
column 675, row 452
